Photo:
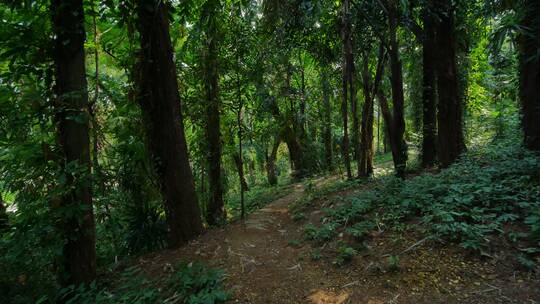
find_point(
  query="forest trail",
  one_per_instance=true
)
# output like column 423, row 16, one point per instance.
column 266, row 261
column 261, row 264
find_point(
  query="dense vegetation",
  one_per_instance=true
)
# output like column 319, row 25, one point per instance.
column 490, row 191
column 127, row 127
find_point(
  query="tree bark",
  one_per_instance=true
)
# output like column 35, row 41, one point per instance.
column 529, row 65
column 240, row 168
column 4, row 221
column 449, row 110
column 215, row 211
column 327, row 132
column 160, row 103
column 79, row 252
column 346, row 39
column 429, row 111
column 271, row 163
column 351, row 71
column 398, row 124
column 365, row 165
column 299, row 165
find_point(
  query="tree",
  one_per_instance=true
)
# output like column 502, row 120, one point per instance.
column 346, row 73
column 529, row 80
column 327, row 114
column 370, row 87
column 396, row 120
column 450, row 144
column 215, row 211
column 429, row 105
column 4, row 221
column 160, row 103
column 71, row 104
column 271, row 162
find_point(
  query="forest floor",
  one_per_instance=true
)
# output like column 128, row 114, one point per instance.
column 265, row 263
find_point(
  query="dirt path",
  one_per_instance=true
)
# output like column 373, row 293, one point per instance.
column 261, row 265
column 264, row 266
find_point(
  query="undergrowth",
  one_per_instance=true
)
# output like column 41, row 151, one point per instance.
column 191, row 283
column 489, row 192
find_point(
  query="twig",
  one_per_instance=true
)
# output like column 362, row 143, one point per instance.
column 412, row 247
column 350, row 284
column 415, row 245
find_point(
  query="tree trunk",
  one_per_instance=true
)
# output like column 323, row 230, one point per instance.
column 296, row 152
column 346, row 37
column 365, row 165
column 449, row 110
column 215, row 211
column 389, row 131
column 299, row 165
column 529, row 86
column 378, row 130
column 302, row 119
column 351, row 71
column 160, row 103
column 4, row 221
column 327, row 132
column 271, row 163
column 79, row 252
column 429, row 111
column 397, row 127
column 238, row 161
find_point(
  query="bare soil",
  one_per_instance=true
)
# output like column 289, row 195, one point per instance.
column 264, row 266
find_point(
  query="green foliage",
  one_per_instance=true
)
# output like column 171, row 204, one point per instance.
column 194, row 283
column 393, row 262
column 320, row 234
column 361, row 229
column 269, row 53
column 316, row 254
column 145, row 228
column 299, row 216
column 294, row 243
column 344, row 255
column 474, row 199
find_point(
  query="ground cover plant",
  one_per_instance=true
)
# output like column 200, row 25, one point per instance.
column 491, row 192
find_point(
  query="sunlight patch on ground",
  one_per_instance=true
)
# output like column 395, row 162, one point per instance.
column 328, row 297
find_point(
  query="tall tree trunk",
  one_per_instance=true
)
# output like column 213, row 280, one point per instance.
column 271, row 163
column 4, row 221
column 346, row 37
column 397, row 126
column 351, row 71
column 429, row 111
column 365, row 165
column 366, row 145
column 449, row 110
column 296, row 152
column 239, row 157
column 302, row 119
column 299, row 165
column 216, row 211
column 239, row 163
column 378, row 130
column 327, row 132
column 160, row 103
column 79, row 252
column 529, row 66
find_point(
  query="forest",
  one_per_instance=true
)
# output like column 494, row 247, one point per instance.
column 269, row 151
